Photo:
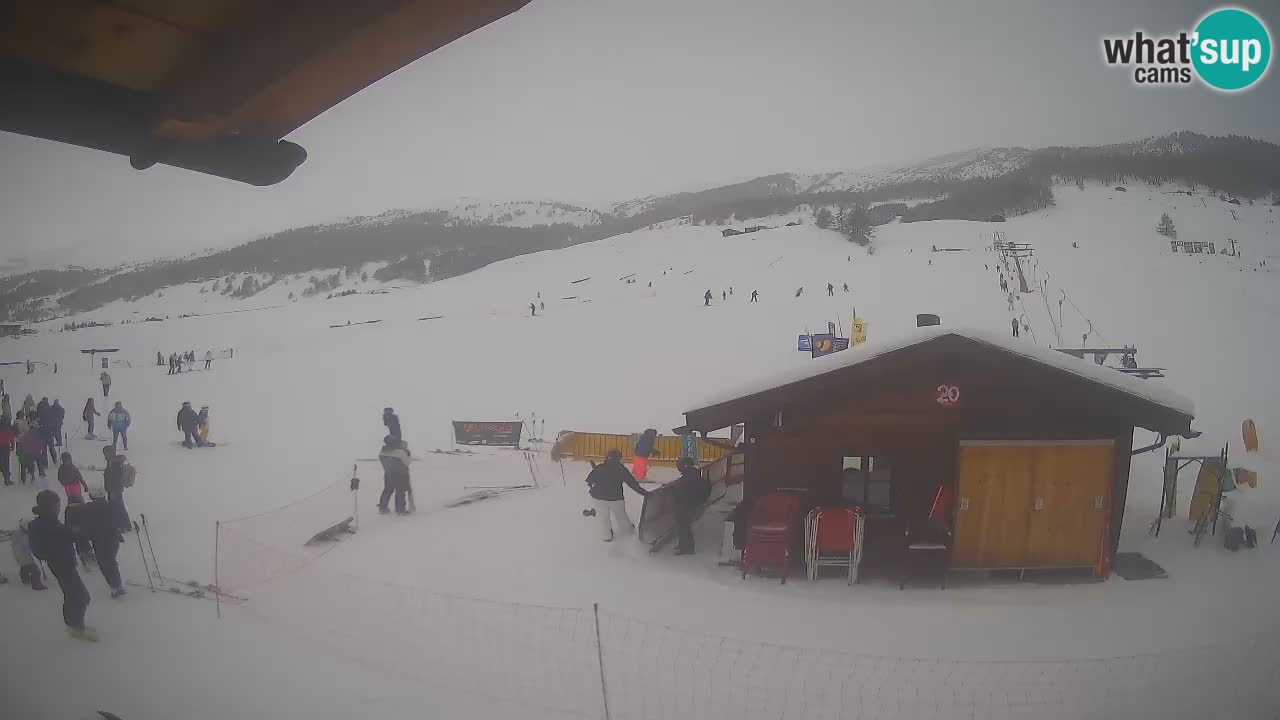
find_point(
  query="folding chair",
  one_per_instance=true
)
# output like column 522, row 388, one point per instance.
column 833, row 538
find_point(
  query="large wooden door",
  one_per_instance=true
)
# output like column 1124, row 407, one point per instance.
column 993, row 498
column 1071, row 487
column 1031, row 504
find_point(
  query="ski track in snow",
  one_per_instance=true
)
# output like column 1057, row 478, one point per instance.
column 300, row 402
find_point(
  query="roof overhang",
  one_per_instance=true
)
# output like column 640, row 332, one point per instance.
column 208, row 85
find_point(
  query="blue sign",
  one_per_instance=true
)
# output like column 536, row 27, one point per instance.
column 824, row 344
column 804, row 343
column 689, row 446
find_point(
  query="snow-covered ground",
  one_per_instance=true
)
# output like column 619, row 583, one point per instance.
column 486, row 610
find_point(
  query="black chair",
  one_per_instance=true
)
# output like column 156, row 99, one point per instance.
column 926, row 553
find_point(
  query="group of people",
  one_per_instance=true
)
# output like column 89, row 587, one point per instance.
column 33, row 433
column 606, row 480
column 707, row 297
column 184, row 362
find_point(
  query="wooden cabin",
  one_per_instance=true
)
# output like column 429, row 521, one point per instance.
column 1031, row 446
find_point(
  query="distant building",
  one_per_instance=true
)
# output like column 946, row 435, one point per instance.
column 756, row 228
column 793, row 223
column 730, row 232
column 10, row 330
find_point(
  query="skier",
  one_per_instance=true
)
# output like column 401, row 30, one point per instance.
column 31, row 367
column 159, row 358
column 187, row 422
column 90, row 412
column 7, row 439
column 645, row 447
column 799, row 291
column 208, row 359
column 173, row 363
column 105, row 379
column 542, row 306
column 6, row 411
column 28, row 571
column 202, row 425
column 117, row 476
column 58, row 416
column 100, row 528
column 755, row 296
column 31, row 448
column 29, row 407
column 688, row 491
column 706, row 299
column 392, row 422
column 71, row 480
column 394, row 457
column 119, row 420
column 533, row 310
column 1015, row 327
column 53, row 543
column 605, row 481
column 831, row 290
column 723, row 296
column 650, row 283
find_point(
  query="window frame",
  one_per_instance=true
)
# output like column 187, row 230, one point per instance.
column 886, row 510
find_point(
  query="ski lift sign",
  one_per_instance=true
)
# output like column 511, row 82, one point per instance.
column 947, row 395
column 487, row 433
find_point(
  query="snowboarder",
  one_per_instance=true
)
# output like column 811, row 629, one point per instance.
column 392, row 422
column 688, row 491
column 202, row 425
column 90, row 412
column 394, row 457
column 533, row 310
column 100, row 528
column 187, row 421
column 118, row 420
column 53, row 543
column 105, row 379
column 7, row 439
column 831, row 290
column 846, row 287
column 28, row 571
column 706, row 299
column 799, row 291
column 117, row 476
column 208, row 359
column 645, row 447
column 1015, row 327
column 755, row 296
column 605, row 482
column 71, row 480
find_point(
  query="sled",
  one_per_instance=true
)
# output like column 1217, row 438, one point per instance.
column 1250, row 432
column 332, row 534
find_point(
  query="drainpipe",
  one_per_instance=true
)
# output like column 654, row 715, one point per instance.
column 1161, row 441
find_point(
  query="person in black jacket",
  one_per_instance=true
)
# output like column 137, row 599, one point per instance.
column 53, row 543
column 605, row 481
column 392, row 421
column 646, row 447
column 188, row 421
column 688, row 492
column 100, row 527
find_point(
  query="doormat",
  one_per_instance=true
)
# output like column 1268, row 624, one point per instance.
column 1134, row 566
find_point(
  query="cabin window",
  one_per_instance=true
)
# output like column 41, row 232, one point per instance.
column 867, row 481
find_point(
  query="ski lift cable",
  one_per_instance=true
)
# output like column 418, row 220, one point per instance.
column 1092, row 329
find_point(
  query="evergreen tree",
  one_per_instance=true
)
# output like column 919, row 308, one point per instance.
column 822, row 218
column 855, row 225
column 1166, row 228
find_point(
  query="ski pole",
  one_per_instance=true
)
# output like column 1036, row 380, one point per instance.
column 155, row 565
column 138, row 534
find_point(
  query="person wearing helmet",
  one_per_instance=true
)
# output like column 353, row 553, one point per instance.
column 100, row 528
column 188, row 423
column 605, row 481
column 688, row 492
column 392, row 421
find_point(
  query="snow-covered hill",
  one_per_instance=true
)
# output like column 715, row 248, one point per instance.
column 299, row 405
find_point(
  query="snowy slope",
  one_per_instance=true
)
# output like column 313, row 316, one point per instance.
column 299, row 404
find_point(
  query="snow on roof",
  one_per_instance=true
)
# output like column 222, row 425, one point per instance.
column 1144, row 389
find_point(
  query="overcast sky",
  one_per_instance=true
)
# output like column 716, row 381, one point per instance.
column 589, row 101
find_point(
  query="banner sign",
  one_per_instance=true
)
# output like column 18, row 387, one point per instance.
column 804, row 343
column 823, row 344
column 859, row 331
column 487, row 433
column 689, row 446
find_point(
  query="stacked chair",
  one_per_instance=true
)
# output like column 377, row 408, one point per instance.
column 833, row 537
column 770, row 531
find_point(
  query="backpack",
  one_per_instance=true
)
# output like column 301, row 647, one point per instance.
column 128, row 475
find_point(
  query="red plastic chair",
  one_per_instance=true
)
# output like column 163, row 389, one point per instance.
column 834, row 538
column 770, row 531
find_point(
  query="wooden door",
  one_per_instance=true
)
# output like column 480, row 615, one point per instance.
column 1070, row 495
column 993, row 497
